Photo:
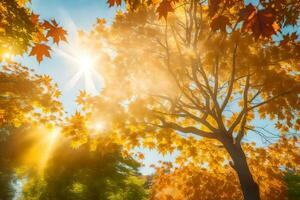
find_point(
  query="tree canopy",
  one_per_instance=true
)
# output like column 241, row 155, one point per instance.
column 29, row 111
column 204, row 79
column 84, row 174
column 213, row 69
column 220, row 182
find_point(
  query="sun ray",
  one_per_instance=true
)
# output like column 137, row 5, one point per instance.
column 90, row 86
column 72, row 82
column 51, row 140
column 45, row 140
column 83, row 61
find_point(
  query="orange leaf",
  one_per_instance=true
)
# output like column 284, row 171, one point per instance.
column 141, row 156
column 40, row 50
column 40, row 37
column 47, row 24
column 34, row 18
column 101, row 21
column 57, row 33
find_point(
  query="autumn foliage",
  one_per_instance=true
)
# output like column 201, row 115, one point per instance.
column 213, row 83
column 213, row 70
column 200, row 182
column 27, row 97
column 21, row 30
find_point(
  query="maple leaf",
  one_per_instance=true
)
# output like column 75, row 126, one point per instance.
column 260, row 22
column 40, row 50
column 82, row 97
column 164, row 8
column 140, row 156
column 219, row 23
column 247, row 12
column 101, row 21
column 56, row 32
column 57, row 93
column 39, row 37
column 113, row 2
column 213, row 6
column 47, row 25
column 288, row 39
column 22, row 2
column 34, row 18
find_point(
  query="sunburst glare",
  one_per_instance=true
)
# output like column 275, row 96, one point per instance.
column 83, row 60
column 99, row 126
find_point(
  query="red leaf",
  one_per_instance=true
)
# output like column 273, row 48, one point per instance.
column 219, row 23
column 247, row 12
column 113, row 2
column 40, row 50
column 260, row 22
column 164, row 8
column 213, row 6
column 288, row 39
column 54, row 22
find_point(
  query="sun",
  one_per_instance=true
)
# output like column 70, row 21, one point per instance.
column 84, row 62
column 99, row 126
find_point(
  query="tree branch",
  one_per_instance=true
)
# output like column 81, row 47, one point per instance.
column 188, row 129
column 244, row 110
column 230, row 87
column 270, row 99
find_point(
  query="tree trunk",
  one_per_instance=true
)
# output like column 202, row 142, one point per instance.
column 249, row 187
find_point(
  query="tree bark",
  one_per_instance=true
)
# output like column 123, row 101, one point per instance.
column 249, row 187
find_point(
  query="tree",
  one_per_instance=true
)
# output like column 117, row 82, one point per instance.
column 26, row 99
column 194, row 182
column 293, row 182
column 29, row 101
column 24, row 93
column 83, row 174
column 206, row 71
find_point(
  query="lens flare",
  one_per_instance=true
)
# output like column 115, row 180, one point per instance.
column 7, row 56
column 45, row 141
